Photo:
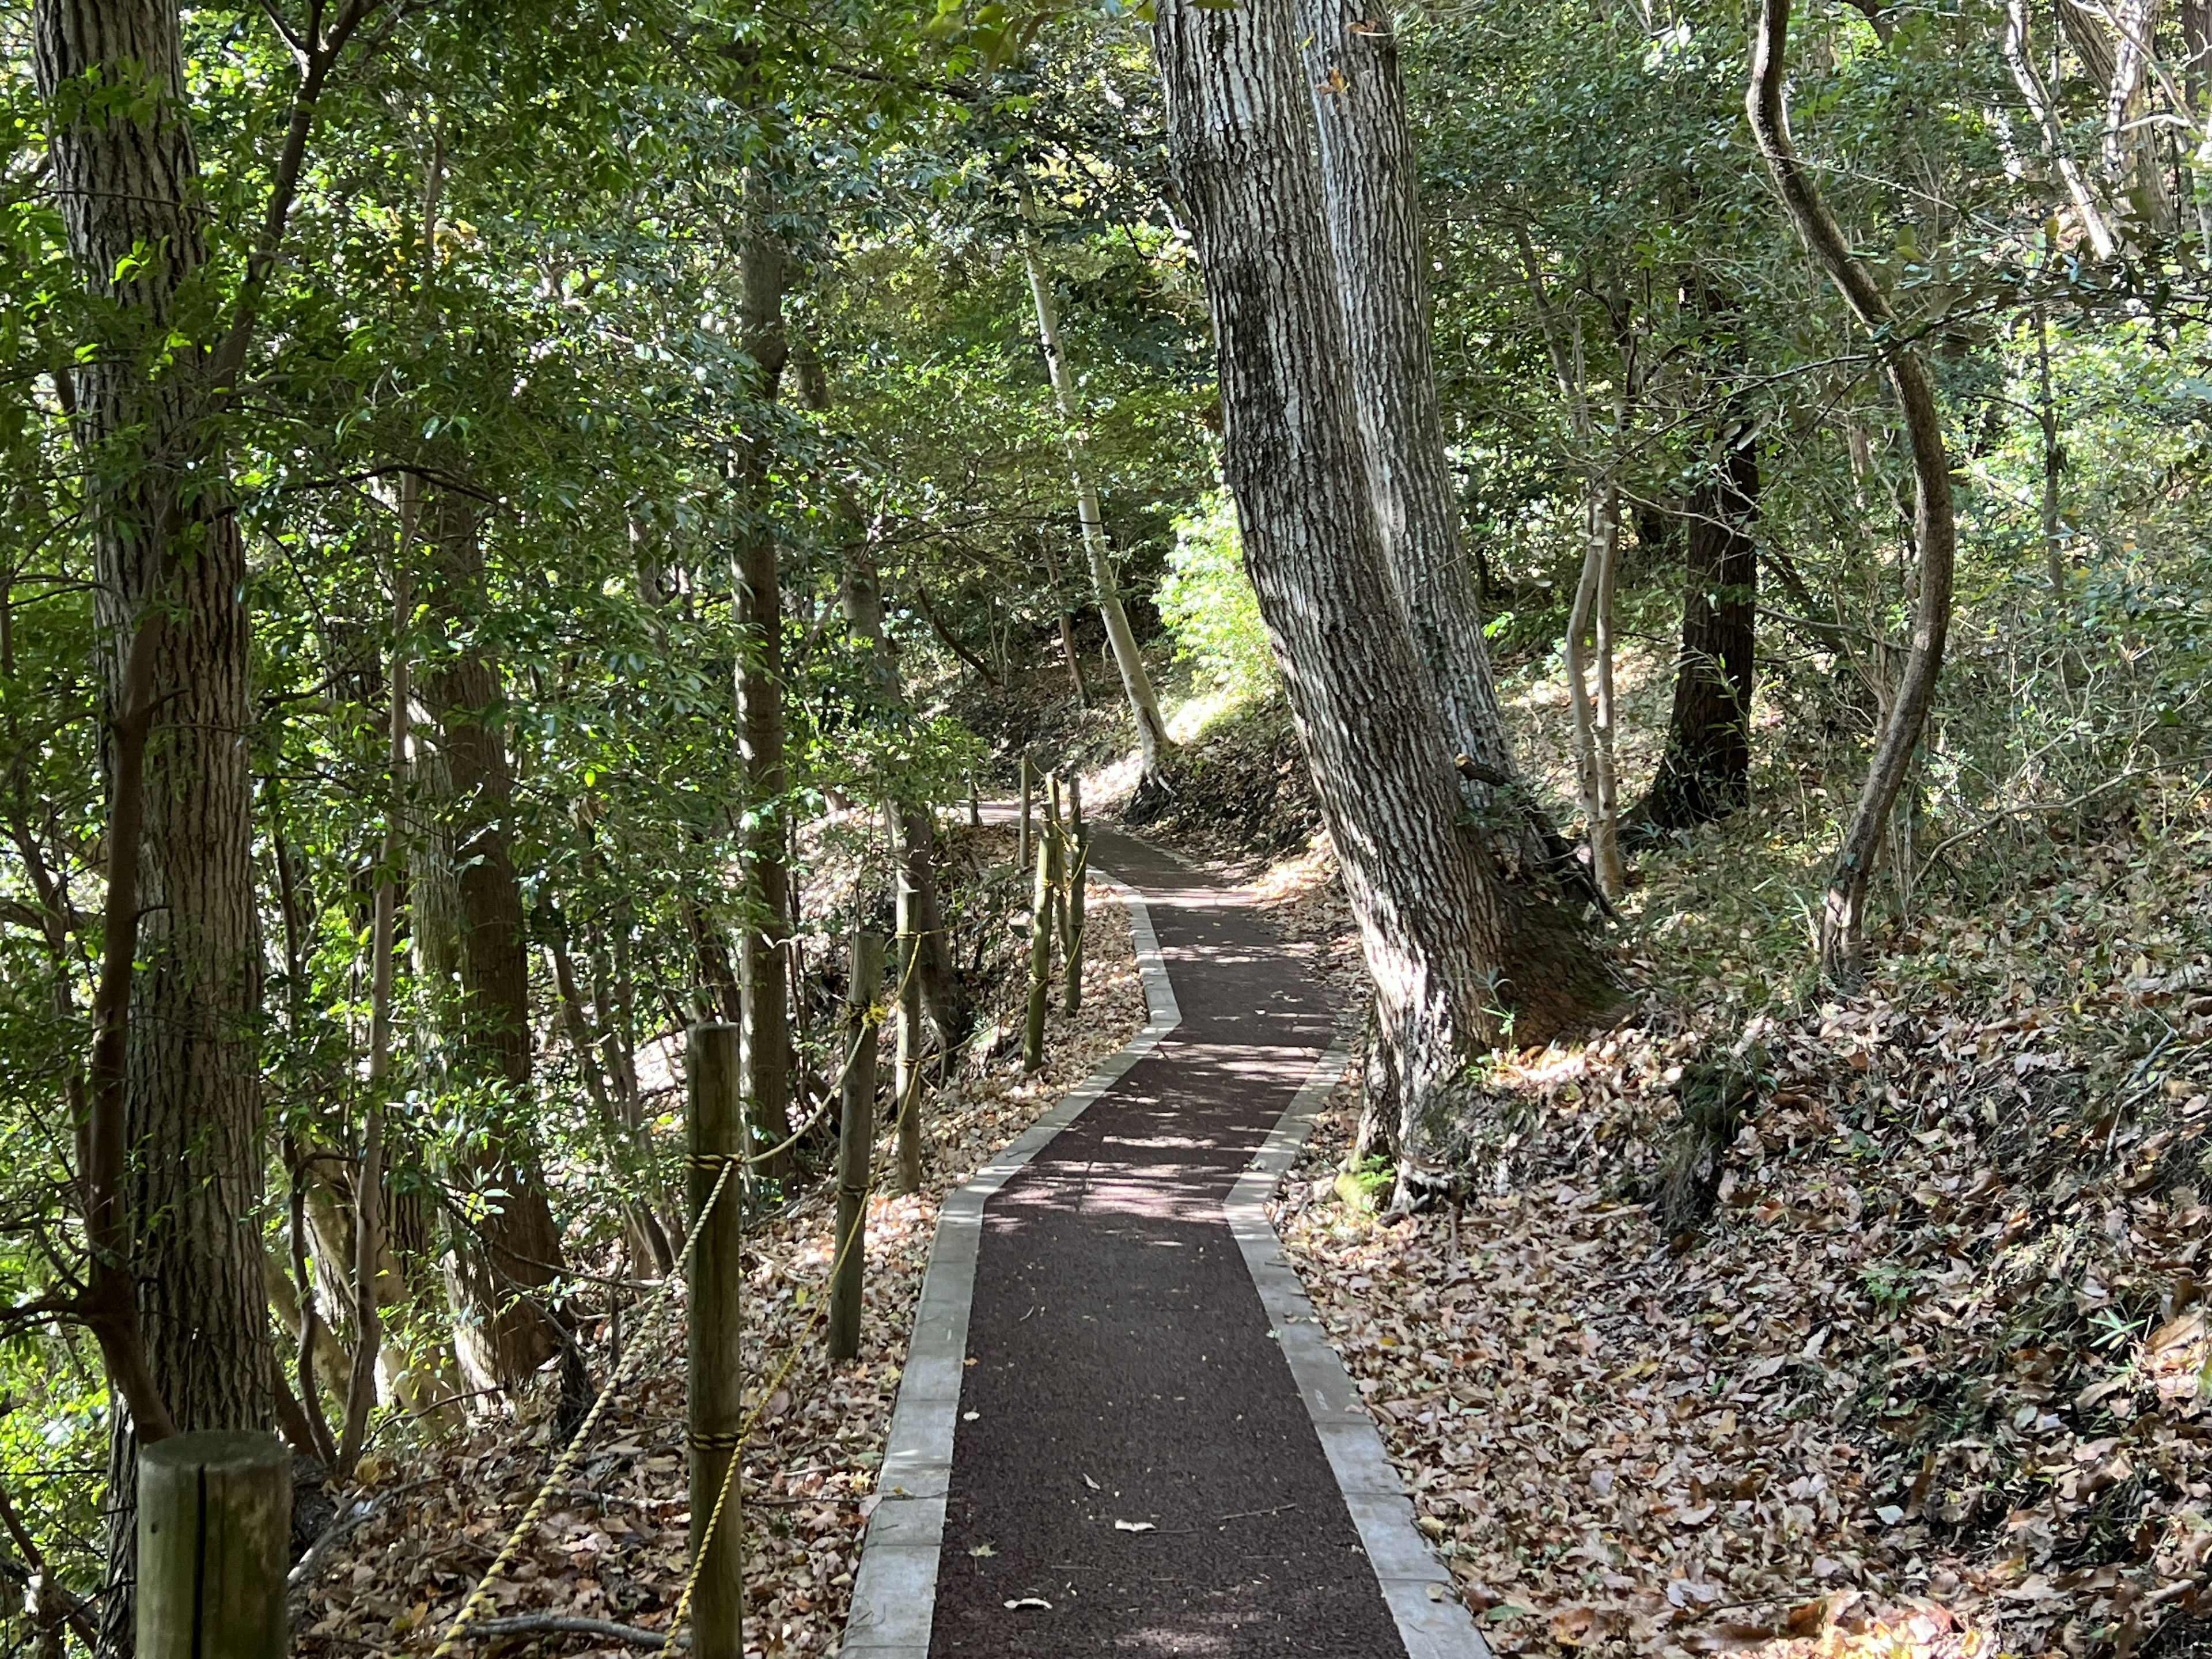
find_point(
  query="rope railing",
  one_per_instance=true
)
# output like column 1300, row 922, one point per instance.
column 480, row 1598
column 723, row 1165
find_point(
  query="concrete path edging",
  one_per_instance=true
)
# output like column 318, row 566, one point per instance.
column 895, row 1587
column 1432, row 1621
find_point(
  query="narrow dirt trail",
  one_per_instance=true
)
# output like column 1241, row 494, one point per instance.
column 1134, row 1469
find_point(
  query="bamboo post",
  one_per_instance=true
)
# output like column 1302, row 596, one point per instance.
column 906, row 1075
column 1028, row 793
column 1072, row 918
column 215, row 1517
column 1041, row 915
column 717, row 1132
column 856, row 1135
column 1054, row 849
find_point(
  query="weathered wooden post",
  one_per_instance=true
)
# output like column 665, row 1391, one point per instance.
column 717, row 1132
column 906, row 1073
column 856, row 1135
column 1071, row 919
column 1041, row 917
column 975, row 803
column 1022, row 840
column 215, row 1515
column 1053, row 847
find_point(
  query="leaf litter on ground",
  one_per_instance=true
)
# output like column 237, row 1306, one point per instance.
column 612, row 1545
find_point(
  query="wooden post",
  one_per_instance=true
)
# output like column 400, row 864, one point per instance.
column 215, row 1517
column 1045, row 908
column 717, row 1134
column 1021, row 842
column 1053, row 848
column 856, row 1135
column 974, row 805
column 906, row 1075
column 1071, row 919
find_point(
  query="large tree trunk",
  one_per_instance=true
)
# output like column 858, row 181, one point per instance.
column 175, row 1138
column 764, row 984
column 1153, row 742
column 1705, row 772
column 470, row 930
column 1442, row 935
column 1371, row 200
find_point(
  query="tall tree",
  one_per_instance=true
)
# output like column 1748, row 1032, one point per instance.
column 1153, row 742
column 1456, row 961
column 470, row 932
column 1371, row 202
column 764, row 267
column 1705, row 771
column 1935, row 528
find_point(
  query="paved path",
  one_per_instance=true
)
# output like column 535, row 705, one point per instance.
column 1121, row 1365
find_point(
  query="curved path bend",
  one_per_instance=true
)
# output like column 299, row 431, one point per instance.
column 1118, row 1414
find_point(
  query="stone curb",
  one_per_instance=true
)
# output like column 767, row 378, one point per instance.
column 895, row 1588
column 1432, row 1621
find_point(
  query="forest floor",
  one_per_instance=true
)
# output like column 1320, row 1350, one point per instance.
column 1915, row 1362
column 610, row 1550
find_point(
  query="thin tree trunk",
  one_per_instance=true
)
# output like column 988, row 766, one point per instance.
column 1068, row 652
column 1590, row 631
column 2054, row 458
column 1152, row 740
column 2015, row 47
column 861, row 595
column 759, row 600
column 1843, row 921
column 650, row 1239
column 369, row 1185
column 468, row 926
column 1370, row 197
column 1439, row 929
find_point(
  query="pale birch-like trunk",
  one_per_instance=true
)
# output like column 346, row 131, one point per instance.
column 2014, row 45
column 1438, row 924
column 1153, row 742
column 1589, row 643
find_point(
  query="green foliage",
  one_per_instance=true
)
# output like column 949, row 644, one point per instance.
column 1208, row 605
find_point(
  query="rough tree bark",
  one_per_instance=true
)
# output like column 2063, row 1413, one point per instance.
column 471, row 936
column 1152, row 740
column 1705, row 771
column 1438, row 927
column 1843, row 918
column 171, row 1145
column 1370, row 196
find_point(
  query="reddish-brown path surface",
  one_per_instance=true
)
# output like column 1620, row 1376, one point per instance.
column 1120, row 1367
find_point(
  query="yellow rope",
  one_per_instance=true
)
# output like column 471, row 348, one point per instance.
column 872, row 1019
column 752, row 1419
column 480, row 1598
